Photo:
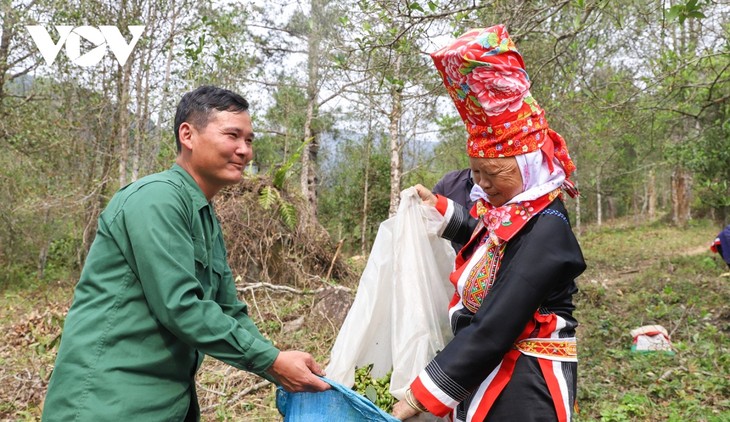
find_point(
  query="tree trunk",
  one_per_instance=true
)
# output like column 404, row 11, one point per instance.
column 611, row 207
column 97, row 203
column 651, row 195
column 308, row 183
column 123, row 120
column 9, row 19
column 166, row 82
column 143, row 101
column 365, row 203
column 395, row 143
column 599, row 208
column 138, row 119
column 308, row 177
column 8, row 28
column 681, row 196
column 636, row 199
column 43, row 253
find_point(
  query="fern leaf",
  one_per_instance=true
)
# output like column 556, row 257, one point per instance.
column 288, row 214
column 281, row 173
column 268, row 197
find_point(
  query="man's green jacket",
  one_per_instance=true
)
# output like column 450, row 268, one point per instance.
column 155, row 295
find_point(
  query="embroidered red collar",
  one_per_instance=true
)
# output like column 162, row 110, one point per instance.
column 502, row 223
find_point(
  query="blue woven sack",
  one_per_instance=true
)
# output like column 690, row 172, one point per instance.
column 336, row 404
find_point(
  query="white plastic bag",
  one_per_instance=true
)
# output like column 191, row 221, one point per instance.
column 399, row 317
column 651, row 338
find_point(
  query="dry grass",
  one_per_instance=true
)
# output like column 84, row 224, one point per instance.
column 31, row 321
column 646, row 274
column 261, row 248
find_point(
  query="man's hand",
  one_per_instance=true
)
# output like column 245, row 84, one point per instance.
column 426, row 195
column 403, row 410
column 297, row 372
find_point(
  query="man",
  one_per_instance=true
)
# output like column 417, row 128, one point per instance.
column 156, row 293
column 456, row 185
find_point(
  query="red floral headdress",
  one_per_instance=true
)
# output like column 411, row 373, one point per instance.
column 485, row 76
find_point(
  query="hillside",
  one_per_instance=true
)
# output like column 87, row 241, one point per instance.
column 637, row 275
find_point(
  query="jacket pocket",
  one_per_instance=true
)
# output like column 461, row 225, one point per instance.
column 219, row 269
column 200, row 253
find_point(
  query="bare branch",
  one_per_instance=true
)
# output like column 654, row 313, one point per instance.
column 286, row 289
column 270, row 50
column 238, row 396
column 342, row 89
column 276, row 29
column 271, row 84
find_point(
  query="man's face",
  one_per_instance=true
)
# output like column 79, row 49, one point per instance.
column 221, row 150
column 499, row 178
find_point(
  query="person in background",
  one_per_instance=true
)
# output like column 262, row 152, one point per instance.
column 456, row 185
column 156, row 293
column 513, row 356
column 721, row 245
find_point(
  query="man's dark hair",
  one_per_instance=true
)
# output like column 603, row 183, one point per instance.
column 196, row 106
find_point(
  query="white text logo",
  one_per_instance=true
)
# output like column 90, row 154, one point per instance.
column 101, row 37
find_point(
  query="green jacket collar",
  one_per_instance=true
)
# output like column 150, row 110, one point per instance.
column 199, row 199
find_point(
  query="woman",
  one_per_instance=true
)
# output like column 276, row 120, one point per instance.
column 513, row 356
column 721, row 245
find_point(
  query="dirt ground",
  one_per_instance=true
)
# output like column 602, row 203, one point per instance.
column 31, row 321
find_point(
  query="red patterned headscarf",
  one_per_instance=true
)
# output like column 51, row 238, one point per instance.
column 485, row 76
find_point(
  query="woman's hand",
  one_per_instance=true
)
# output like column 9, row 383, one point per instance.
column 426, row 195
column 403, row 410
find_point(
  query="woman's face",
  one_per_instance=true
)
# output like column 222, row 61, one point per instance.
column 499, row 178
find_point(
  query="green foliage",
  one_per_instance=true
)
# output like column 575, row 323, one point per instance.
column 450, row 153
column 15, row 276
column 416, row 6
column 342, row 200
column 194, row 48
column 632, row 407
column 284, row 136
column 211, row 50
column 268, row 197
column 681, row 12
column 619, row 246
column 281, row 173
column 679, row 287
column 42, row 172
column 375, row 390
column 288, row 213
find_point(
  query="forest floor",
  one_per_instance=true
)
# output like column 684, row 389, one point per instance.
column 637, row 275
